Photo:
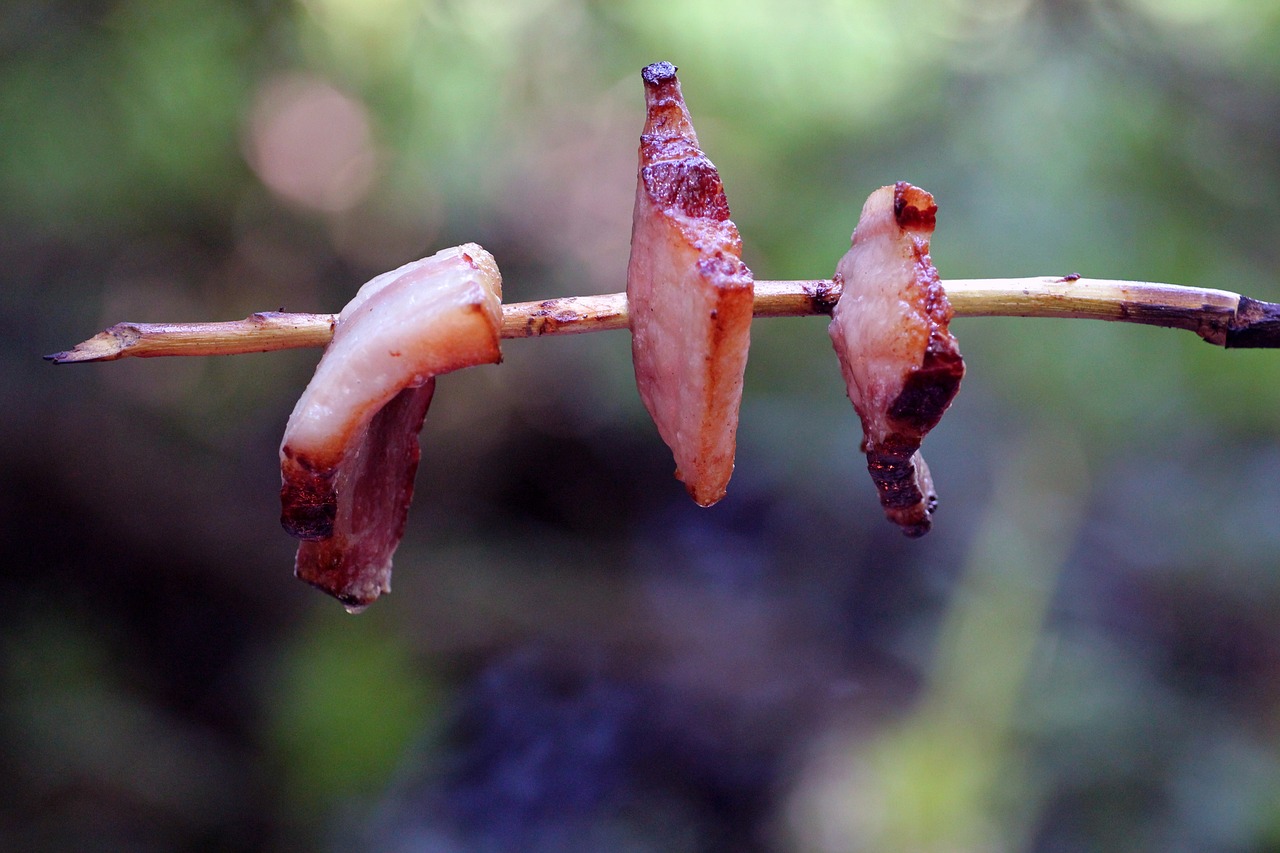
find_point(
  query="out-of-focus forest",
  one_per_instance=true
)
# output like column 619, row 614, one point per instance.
column 1083, row 655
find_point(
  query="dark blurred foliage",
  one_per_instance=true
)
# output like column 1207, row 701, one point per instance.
column 1083, row 655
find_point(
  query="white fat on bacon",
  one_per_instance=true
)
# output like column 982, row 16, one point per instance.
column 689, row 293
column 901, row 365
column 350, row 449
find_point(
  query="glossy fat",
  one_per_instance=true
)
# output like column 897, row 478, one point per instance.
column 690, row 295
column 350, row 448
column 428, row 317
column 901, row 365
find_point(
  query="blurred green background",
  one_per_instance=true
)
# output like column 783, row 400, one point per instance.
column 1083, row 655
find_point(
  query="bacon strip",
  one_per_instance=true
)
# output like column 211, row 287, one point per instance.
column 900, row 363
column 350, row 450
column 689, row 293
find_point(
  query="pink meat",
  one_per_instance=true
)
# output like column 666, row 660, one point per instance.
column 900, row 362
column 689, row 293
column 350, row 449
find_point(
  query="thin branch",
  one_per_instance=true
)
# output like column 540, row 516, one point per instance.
column 1219, row 316
column 262, row 332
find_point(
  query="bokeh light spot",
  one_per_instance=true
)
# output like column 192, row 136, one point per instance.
column 311, row 144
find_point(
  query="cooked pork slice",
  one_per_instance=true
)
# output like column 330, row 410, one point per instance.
column 901, row 364
column 372, row 489
column 350, row 449
column 689, row 293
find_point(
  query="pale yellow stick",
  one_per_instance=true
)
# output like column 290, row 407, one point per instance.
column 1219, row 316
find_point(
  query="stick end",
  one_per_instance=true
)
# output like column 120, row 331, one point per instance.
column 104, row 346
column 1256, row 325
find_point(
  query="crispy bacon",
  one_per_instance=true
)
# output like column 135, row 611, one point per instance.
column 689, row 293
column 350, row 449
column 901, row 364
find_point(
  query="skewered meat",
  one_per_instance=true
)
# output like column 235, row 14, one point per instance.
column 900, row 363
column 689, row 292
column 350, row 449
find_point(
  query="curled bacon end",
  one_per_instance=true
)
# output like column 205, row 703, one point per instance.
column 372, row 491
column 901, row 364
column 350, row 450
column 690, row 295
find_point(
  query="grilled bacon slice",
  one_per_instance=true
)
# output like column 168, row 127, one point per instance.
column 901, row 364
column 350, row 449
column 689, row 293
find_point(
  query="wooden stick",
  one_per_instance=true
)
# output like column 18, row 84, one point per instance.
column 1219, row 316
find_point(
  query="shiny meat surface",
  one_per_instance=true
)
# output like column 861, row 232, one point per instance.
column 350, row 449
column 901, row 365
column 373, row 488
column 689, row 294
